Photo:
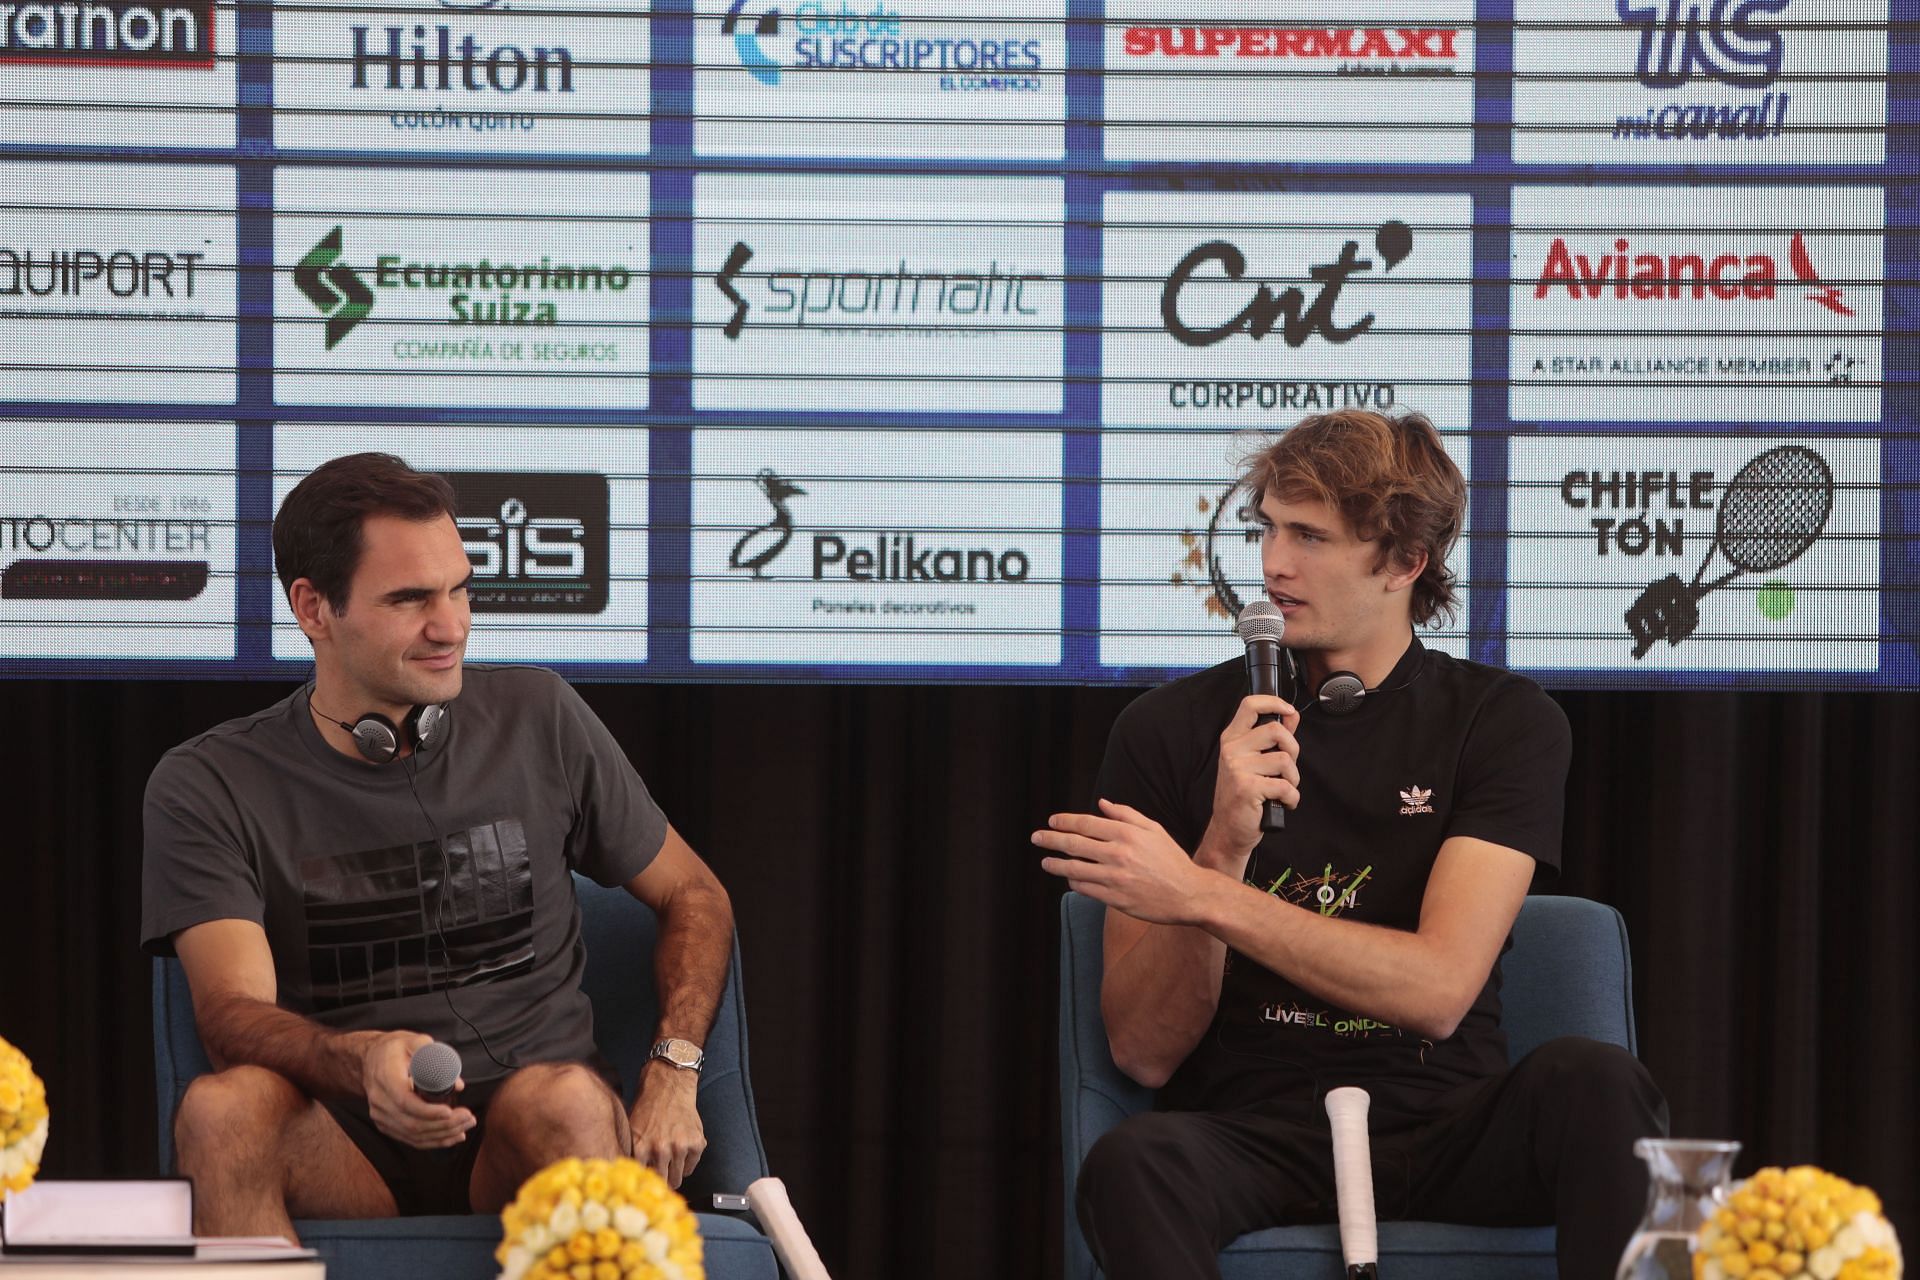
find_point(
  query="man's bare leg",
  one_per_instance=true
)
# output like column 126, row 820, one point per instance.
column 260, row 1151
column 542, row 1114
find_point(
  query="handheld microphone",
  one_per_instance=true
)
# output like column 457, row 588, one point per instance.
column 1353, row 1182
column 433, row 1070
column 1260, row 626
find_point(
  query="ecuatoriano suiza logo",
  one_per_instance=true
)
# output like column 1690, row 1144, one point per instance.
column 479, row 291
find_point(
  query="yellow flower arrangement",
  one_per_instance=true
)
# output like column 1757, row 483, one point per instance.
column 1784, row 1224
column 23, row 1120
column 599, row 1220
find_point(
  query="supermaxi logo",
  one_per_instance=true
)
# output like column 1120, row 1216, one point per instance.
column 1716, row 66
column 774, row 45
column 108, row 33
column 1343, row 50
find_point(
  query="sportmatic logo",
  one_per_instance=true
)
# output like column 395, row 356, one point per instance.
column 477, row 292
column 1686, row 43
column 1352, row 51
column 108, row 33
column 845, row 38
column 1286, row 313
column 875, row 556
column 538, row 541
column 1620, row 273
column 908, row 299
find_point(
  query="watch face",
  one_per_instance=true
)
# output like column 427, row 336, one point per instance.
column 680, row 1053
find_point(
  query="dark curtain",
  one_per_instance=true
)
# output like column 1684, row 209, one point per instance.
column 900, row 942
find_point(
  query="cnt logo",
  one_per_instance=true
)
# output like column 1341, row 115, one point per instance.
column 1620, row 273
column 845, row 38
column 890, row 556
column 1287, row 314
column 1735, row 43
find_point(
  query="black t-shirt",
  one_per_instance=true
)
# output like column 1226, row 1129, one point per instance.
column 1443, row 748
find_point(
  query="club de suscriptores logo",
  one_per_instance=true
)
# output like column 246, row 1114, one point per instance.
column 333, row 287
column 747, row 32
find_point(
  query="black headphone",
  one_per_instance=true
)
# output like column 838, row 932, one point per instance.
column 1342, row 692
column 378, row 739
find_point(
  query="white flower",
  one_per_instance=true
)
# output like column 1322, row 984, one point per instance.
column 537, row 1238
column 1713, row 1271
column 565, row 1221
column 1847, row 1240
column 656, row 1243
column 594, row 1215
column 630, row 1222
column 519, row 1258
column 1825, row 1262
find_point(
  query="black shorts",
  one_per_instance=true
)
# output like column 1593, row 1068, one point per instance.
column 434, row 1181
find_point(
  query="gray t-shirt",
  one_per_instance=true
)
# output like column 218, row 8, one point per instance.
column 383, row 894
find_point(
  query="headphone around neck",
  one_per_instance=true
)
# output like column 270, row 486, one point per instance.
column 1342, row 692
column 378, row 739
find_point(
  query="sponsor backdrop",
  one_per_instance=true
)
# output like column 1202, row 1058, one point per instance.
column 894, row 340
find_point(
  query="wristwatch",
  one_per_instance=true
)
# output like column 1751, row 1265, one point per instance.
column 684, row 1054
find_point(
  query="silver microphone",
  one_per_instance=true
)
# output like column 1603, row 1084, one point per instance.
column 433, row 1071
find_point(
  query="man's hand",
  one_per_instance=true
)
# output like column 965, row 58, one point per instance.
column 1126, row 860
column 1258, row 763
column 667, row 1133
column 396, row 1109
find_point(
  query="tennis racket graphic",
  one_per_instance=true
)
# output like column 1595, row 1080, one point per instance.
column 1775, row 507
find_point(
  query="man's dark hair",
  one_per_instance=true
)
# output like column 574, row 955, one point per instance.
column 317, row 533
column 1389, row 477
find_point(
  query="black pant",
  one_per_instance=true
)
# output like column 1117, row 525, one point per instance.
column 1550, row 1141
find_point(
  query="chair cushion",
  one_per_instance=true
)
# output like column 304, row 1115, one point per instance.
column 461, row 1248
column 1431, row 1250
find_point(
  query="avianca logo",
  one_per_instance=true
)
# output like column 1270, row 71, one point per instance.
column 1293, row 42
column 1673, row 277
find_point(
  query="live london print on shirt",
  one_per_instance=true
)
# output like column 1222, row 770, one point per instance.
column 1442, row 748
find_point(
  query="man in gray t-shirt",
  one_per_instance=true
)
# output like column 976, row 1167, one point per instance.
column 384, row 858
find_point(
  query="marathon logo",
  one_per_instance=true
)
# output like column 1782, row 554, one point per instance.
column 108, row 33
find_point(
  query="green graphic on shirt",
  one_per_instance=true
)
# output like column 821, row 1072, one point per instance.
column 1329, row 893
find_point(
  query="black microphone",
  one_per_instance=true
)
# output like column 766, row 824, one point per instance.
column 433, row 1070
column 1261, row 624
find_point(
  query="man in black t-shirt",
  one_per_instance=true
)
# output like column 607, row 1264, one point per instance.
column 370, row 864
column 1247, row 974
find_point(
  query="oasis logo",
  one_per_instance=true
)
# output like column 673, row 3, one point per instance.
column 845, row 38
column 907, row 297
column 1753, row 276
column 1233, row 523
column 1297, row 319
column 880, row 555
column 478, row 292
column 108, row 33
column 1359, row 49
column 1685, row 42
column 537, row 540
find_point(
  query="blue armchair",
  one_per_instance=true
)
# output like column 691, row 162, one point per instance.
column 619, row 933
column 1568, row 974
